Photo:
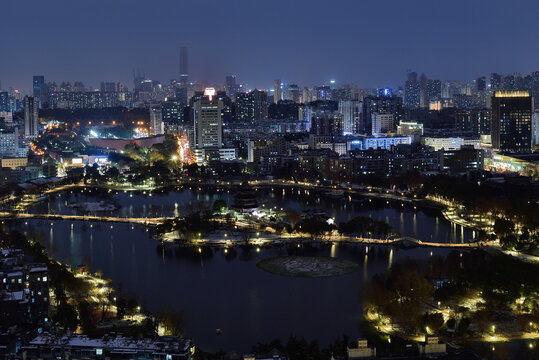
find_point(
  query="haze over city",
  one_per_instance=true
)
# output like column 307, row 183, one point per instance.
column 368, row 43
column 255, row 180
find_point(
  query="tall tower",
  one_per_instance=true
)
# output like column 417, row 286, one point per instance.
column 511, row 121
column 277, row 92
column 38, row 83
column 208, row 122
column 156, row 120
column 412, row 92
column 31, row 120
column 184, row 66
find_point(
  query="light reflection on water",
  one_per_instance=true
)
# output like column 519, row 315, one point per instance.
column 225, row 290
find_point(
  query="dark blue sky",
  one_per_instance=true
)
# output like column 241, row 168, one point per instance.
column 369, row 43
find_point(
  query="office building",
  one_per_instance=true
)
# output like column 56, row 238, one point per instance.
column 351, row 113
column 208, row 130
column 251, row 107
column 292, row 93
column 38, row 86
column 433, row 91
column 6, row 117
column 277, row 91
column 476, row 121
column 326, row 123
column 382, row 123
column 156, row 120
column 31, row 120
column 412, row 92
column 9, row 142
column 511, row 121
column 107, row 86
column 495, row 81
column 231, row 87
column 410, row 128
column 4, row 101
column 462, row 160
column 380, row 104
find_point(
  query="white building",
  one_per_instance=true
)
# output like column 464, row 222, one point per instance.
column 382, row 123
column 208, row 123
column 8, row 118
column 9, row 142
column 450, row 143
column 350, row 111
column 385, row 142
column 156, row 120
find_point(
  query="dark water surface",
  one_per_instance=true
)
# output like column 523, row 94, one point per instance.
column 225, row 290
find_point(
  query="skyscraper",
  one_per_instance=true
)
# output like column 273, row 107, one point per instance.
column 231, row 86
column 495, row 81
column 184, row 66
column 382, row 123
column 350, row 111
column 31, row 120
column 535, row 89
column 208, row 124
column 480, row 83
column 277, row 91
column 423, row 90
column 156, row 120
column 412, row 92
column 511, row 121
column 380, row 104
column 252, row 106
column 38, row 86
column 434, row 91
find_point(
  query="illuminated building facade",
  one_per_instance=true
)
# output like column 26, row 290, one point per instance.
column 511, row 121
column 31, row 120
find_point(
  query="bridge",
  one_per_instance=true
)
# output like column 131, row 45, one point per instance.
column 143, row 221
column 405, row 242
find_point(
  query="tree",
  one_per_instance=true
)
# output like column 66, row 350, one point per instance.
column 66, row 316
column 219, row 206
column 172, row 321
column 503, row 227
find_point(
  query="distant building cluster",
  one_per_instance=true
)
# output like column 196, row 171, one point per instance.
column 230, row 123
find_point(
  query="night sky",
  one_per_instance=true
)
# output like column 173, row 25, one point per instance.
column 368, row 43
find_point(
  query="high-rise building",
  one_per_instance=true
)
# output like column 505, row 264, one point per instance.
column 511, row 121
column 380, row 104
column 108, row 86
column 208, row 124
column 433, row 92
column 412, row 92
column 31, row 120
column 277, row 91
column 535, row 89
column 231, row 87
column 4, row 101
column 480, row 83
column 351, row 112
column 38, row 86
column 495, row 81
column 382, row 123
column 423, row 102
column 156, row 120
column 476, row 121
column 184, row 66
column 252, row 106
column 326, row 123
column 291, row 93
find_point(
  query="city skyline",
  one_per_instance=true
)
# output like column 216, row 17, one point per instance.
column 345, row 44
